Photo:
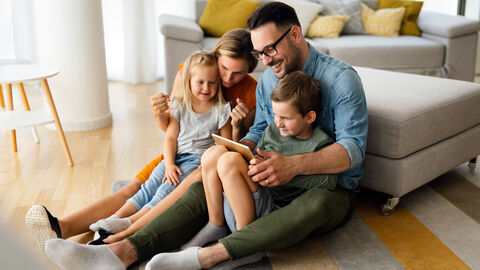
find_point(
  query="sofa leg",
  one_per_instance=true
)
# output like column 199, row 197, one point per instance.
column 472, row 164
column 389, row 207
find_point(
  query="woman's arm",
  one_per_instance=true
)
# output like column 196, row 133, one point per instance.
column 160, row 107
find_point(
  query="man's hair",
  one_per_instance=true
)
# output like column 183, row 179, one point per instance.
column 282, row 15
column 300, row 90
column 237, row 44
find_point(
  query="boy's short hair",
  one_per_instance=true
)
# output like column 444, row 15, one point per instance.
column 282, row 15
column 301, row 90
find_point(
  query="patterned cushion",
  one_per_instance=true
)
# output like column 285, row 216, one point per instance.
column 306, row 12
column 350, row 8
column 327, row 26
column 383, row 22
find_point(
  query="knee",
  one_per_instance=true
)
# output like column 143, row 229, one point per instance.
column 211, row 155
column 230, row 162
column 130, row 189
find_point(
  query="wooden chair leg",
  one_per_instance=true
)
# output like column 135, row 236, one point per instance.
column 53, row 110
column 21, row 89
column 10, row 108
column 2, row 101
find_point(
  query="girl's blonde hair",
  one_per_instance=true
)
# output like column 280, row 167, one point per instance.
column 198, row 58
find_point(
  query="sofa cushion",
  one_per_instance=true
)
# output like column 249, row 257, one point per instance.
column 220, row 16
column 306, row 11
column 412, row 10
column 328, row 26
column 350, row 8
column 383, row 22
column 409, row 112
column 384, row 52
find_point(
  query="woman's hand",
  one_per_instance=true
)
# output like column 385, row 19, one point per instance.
column 238, row 114
column 159, row 103
column 171, row 174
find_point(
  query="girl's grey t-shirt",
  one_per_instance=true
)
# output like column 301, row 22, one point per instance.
column 195, row 135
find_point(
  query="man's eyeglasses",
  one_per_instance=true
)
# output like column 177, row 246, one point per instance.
column 269, row 50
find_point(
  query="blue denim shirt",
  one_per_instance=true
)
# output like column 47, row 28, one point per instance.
column 343, row 115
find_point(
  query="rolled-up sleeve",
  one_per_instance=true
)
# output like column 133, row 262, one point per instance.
column 351, row 116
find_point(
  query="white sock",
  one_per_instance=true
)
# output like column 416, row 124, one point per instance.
column 227, row 265
column 71, row 255
column 209, row 233
column 113, row 224
column 183, row 260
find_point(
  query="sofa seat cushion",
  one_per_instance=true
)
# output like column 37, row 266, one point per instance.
column 384, row 52
column 408, row 112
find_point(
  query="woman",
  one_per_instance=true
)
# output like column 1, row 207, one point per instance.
column 234, row 64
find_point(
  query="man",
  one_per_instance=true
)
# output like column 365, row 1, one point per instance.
column 278, row 42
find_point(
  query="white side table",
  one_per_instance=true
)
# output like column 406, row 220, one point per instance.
column 10, row 120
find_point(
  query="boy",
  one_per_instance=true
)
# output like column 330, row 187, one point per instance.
column 293, row 132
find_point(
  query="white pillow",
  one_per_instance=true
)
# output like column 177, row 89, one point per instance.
column 306, row 12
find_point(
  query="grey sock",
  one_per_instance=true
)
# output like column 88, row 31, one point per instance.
column 208, row 234
column 113, row 224
column 232, row 264
column 184, row 260
column 72, row 255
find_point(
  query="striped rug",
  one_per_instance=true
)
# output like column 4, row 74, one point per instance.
column 434, row 227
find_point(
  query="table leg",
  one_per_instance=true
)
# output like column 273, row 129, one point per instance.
column 53, row 110
column 2, row 101
column 21, row 89
column 10, row 108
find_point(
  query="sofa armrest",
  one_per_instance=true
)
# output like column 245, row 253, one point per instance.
column 445, row 25
column 180, row 28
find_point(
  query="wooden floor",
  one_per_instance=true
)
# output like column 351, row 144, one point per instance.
column 39, row 174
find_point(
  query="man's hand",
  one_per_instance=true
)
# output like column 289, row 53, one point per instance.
column 239, row 113
column 274, row 171
column 159, row 103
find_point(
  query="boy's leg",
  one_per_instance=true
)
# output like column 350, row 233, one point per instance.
column 317, row 210
column 238, row 187
column 174, row 226
column 212, row 184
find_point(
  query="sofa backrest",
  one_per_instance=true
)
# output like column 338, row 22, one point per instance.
column 199, row 5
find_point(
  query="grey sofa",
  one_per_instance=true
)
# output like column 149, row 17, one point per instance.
column 446, row 48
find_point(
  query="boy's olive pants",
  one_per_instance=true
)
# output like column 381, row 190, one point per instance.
column 316, row 210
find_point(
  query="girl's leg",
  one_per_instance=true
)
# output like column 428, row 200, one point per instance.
column 212, row 184
column 159, row 208
column 79, row 221
column 238, row 187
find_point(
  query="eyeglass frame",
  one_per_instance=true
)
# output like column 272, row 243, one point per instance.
column 259, row 54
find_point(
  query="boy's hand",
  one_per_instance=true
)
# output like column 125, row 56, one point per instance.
column 255, row 161
column 274, row 171
column 239, row 113
column 159, row 103
column 171, row 174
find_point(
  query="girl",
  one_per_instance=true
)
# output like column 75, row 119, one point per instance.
column 197, row 112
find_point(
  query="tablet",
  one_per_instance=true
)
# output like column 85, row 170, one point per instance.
column 234, row 146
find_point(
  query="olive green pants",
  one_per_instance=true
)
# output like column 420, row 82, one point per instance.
column 316, row 210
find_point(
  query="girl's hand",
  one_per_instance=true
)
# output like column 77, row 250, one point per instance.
column 159, row 103
column 171, row 174
column 239, row 113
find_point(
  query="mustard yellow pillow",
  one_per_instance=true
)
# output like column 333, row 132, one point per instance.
column 383, row 22
column 219, row 16
column 412, row 10
column 327, row 26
